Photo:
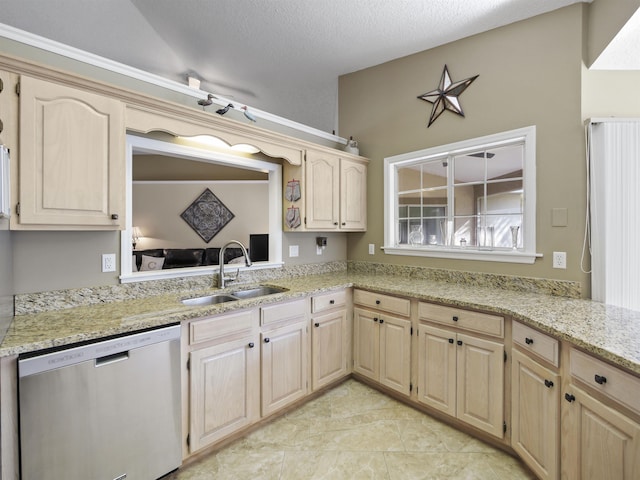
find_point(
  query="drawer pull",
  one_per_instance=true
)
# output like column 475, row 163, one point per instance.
column 569, row 398
column 548, row 383
column 600, row 380
column 451, row 340
column 381, row 321
column 251, row 345
column 114, row 216
column 267, row 340
column 455, row 318
column 316, row 324
column 377, row 302
column 331, row 302
column 459, row 342
column 375, row 319
column 528, row 340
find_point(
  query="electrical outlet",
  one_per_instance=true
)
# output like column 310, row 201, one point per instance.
column 372, row 249
column 108, row 262
column 559, row 259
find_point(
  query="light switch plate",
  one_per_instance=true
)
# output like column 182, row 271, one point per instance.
column 293, row 251
column 372, row 248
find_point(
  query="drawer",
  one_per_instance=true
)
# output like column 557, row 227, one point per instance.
column 327, row 301
column 466, row 319
column 281, row 312
column 533, row 341
column 387, row 303
column 220, row 326
column 620, row 386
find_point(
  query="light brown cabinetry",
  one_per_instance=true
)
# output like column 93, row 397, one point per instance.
column 71, row 159
column 459, row 373
column 224, row 376
column 333, row 192
column 330, row 339
column 284, row 354
column 600, row 439
column 382, row 342
column 535, row 415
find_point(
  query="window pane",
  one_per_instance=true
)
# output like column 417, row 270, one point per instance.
column 434, row 174
column 505, row 162
column 409, row 178
column 469, row 168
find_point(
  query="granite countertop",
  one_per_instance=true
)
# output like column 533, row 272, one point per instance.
column 610, row 332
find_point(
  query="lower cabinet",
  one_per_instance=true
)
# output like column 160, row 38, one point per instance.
column 224, row 390
column 598, row 442
column 382, row 348
column 535, row 415
column 285, row 353
column 463, row 376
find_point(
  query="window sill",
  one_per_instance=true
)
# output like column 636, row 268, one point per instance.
column 507, row 256
column 193, row 271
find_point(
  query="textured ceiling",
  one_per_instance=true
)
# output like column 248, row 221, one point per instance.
column 280, row 56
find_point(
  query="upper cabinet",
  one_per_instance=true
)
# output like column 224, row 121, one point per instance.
column 71, row 161
column 327, row 193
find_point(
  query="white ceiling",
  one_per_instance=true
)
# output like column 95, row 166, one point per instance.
column 280, row 56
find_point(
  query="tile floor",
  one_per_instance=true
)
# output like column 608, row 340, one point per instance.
column 355, row 432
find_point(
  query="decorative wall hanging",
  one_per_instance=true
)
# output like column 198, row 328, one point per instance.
column 445, row 97
column 292, row 193
column 207, row 215
column 292, row 218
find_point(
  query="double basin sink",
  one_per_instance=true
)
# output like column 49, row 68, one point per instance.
column 215, row 298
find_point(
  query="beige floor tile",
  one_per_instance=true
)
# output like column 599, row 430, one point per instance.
column 354, row 432
column 334, row 466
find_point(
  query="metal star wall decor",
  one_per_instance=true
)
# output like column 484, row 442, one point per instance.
column 445, row 97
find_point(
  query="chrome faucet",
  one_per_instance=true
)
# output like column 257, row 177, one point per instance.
column 221, row 278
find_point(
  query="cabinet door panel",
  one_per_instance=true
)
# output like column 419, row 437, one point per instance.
column 535, row 415
column 480, row 389
column 329, row 349
column 601, row 443
column 353, row 195
column 322, row 196
column 224, row 390
column 366, row 348
column 72, row 168
column 437, row 369
column 284, row 366
column 395, row 353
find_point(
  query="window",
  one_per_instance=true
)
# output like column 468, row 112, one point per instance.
column 471, row 200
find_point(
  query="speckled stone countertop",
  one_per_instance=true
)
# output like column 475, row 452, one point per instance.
column 610, row 332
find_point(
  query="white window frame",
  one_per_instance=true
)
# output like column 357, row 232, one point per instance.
column 526, row 254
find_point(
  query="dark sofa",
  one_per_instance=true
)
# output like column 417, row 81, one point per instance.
column 187, row 257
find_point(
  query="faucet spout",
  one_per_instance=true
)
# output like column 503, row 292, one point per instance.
column 221, row 278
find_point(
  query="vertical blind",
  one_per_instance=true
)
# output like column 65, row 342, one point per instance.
column 614, row 164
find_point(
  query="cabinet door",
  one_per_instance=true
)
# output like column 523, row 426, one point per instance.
column 72, row 148
column 353, row 195
column 366, row 344
column 285, row 353
column 437, row 368
column 329, row 351
column 535, row 415
column 480, row 383
column 598, row 442
column 224, row 390
column 322, row 181
column 395, row 353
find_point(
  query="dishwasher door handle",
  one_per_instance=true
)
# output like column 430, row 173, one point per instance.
column 109, row 359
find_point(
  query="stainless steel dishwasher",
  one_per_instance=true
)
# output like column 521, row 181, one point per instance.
column 104, row 410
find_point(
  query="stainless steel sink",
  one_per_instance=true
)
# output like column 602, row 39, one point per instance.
column 209, row 300
column 252, row 292
column 258, row 291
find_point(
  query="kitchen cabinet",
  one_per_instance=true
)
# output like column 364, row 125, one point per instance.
column 382, row 341
column 330, row 339
column 460, row 373
column 535, row 415
column 600, row 421
column 535, row 400
column 284, row 354
column 224, row 376
column 333, row 190
column 71, row 159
